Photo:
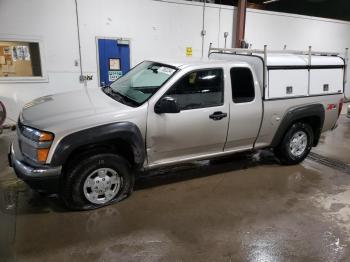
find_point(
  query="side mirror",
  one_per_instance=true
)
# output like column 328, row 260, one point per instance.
column 166, row 105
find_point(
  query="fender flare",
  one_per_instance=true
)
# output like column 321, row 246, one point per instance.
column 126, row 131
column 297, row 113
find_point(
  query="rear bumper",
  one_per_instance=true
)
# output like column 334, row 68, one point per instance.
column 40, row 178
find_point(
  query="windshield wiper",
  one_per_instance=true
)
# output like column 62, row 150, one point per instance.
column 110, row 92
column 121, row 98
column 106, row 89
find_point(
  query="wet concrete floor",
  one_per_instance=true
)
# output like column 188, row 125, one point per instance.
column 242, row 208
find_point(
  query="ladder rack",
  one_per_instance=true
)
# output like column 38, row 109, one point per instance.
column 266, row 51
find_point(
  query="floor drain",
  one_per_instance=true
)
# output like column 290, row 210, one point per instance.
column 332, row 163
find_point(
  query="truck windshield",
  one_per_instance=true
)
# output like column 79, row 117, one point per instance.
column 140, row 83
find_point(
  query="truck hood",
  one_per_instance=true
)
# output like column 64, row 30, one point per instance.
column 47, row 111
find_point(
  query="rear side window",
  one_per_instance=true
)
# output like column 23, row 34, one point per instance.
column 199, row 89
column 242, row 85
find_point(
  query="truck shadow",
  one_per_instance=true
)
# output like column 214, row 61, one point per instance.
column 20, row 199
column 204, row 168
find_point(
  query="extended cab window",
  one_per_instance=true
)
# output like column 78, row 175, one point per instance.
column 242, row 83
column 198, row 89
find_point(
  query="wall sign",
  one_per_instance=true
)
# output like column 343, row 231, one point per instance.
column 114, row 75
column 188, row 51
column 114, row 64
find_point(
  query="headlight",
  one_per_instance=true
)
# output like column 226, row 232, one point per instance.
column 36, row 135
column 38, row 146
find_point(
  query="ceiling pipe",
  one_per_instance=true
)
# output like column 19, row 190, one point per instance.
column 240, row 23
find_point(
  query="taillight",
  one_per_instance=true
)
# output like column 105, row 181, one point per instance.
column 2, row 113
column 340, row 108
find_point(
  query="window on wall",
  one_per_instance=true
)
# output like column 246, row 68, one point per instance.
column 199, row 89
column 242, row 83
column 20, row 59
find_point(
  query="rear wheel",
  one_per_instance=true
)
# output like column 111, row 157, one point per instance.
column 95, row 181
column 296, row 144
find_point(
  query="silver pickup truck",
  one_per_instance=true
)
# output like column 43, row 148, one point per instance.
column 86, row 145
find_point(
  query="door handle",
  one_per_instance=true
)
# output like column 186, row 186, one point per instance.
column 217, row 115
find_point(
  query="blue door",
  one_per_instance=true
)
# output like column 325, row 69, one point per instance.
column 114, row 59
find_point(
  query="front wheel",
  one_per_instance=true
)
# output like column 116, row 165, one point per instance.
column 296, row 144
column 97, row 180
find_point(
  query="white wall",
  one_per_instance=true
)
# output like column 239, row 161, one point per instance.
column 297, row 32
column 54, row 23
column 157, row 30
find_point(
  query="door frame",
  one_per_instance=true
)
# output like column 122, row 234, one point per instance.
column 161, row 92
column 97, row 52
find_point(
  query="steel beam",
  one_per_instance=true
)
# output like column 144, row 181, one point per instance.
column 240, row 22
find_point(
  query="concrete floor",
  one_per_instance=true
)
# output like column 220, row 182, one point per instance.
column 243, row 208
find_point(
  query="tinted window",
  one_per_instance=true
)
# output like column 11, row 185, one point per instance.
column 242, row 85
column 198, row 89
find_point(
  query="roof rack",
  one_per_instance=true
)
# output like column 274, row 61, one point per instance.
column 265, row 51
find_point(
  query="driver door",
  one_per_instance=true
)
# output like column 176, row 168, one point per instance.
column 196, row 130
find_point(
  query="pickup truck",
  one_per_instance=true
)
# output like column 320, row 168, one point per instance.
column 88, row 145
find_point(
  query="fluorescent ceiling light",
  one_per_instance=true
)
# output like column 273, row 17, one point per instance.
column 269, row 1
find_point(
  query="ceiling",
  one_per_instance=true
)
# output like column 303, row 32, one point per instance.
column 336, row 9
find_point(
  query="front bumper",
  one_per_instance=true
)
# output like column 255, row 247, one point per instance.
column 40, row 178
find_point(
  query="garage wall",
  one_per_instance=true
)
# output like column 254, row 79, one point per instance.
column 52, row 22
column 297, row 32
column 157, row 30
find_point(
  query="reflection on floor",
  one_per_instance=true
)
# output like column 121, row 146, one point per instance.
column 245, row 207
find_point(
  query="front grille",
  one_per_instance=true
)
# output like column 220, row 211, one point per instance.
column 28, row 150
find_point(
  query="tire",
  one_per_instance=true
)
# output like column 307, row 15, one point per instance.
column 296, row 144
column 83, row 188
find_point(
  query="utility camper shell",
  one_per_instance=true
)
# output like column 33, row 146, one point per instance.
column 291, row 74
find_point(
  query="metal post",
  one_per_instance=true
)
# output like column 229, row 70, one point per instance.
column 240, row 22
column 81, row 77
column 346, row 65
column 310, row 47
column 346, row 56
column 225, row 36
column 203, row 32
column 210, row 45
column 265, row 69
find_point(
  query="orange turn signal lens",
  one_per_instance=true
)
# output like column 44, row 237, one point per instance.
column 45, row 137
column 42, row 154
